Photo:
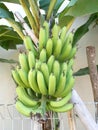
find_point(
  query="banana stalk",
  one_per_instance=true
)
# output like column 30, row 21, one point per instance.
column 50, row 9
column 29, row 16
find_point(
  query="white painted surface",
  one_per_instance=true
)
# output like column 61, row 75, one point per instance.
column 82, row 85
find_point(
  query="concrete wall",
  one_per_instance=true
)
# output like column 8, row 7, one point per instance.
column 82, row 85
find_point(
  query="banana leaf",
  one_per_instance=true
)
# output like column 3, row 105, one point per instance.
column 10, row 61
column 83, row 71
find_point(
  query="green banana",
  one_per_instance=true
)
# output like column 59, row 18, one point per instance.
column 63, row 34
column 42, row 38
column 50, row 62
column 17, row 78
column 69, row 74
column 65, row 53
column 61, row 84
column 55, row 35
column 38, row 64
column 31, row 93
column 49, row 47
column 46, row 26
column 64, row 108
column 72, row 53
column 52, row 84
column 24, row 97
column 25, row 110
column 66, row 49
column 24, row 76
column 62, row 101
column 31, row 59
column 41, row 83
column 45, row 71
column 70, row 64
column 43, row 55
column 56, row 69
column 29, row 45
column 32, row 78
column 23, row 60
column 68, row 86
column 64, row 67
column 58, row 48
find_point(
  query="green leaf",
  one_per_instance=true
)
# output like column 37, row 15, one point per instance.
column 44, row 4
column 83, row 29
column 9, row 38
column 64, row 21
column 11, row 1
column 83, row 7
column 83, row 71
column 10, row 61
column 5, row 13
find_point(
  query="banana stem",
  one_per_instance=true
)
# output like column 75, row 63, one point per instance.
column 16, row 27
column 35, row 12
column 50, row 9
column 43, row 105
column 29, row 16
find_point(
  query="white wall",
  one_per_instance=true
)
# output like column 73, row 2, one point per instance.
column 82, row 85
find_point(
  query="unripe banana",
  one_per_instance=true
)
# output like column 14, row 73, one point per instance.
column 30, row 45
column 46, row 26
column 31, row 93
column 24, row 110
column 65, row 53
column 43, row 55
column 50, row 63
column 45, row 71
column 64, row 108
column 56, row 69
column 69, row 74
column 68, row 87
column 63, row 34
column 66, row 49
column 31, row 59
column 64, row 67
column 58, row 48
column 17, row 78
column 23, row 60
column 61, row 84
column 55, row 34
column 49, row 47
column 24, row 97
column 62, row 101
column 70, row 64
column 72, row 53
column 32, row 78
column 41, row 83
column 42, row 38
column 38, row 64
column 52, row 84
column 24, row 76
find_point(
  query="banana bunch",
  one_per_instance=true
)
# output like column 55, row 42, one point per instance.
column 44, row 75
column 59, row 43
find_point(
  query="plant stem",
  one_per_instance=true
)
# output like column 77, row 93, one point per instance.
column 50, row 9
column 29, row 16
column 16, row 27
column 35, row 12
